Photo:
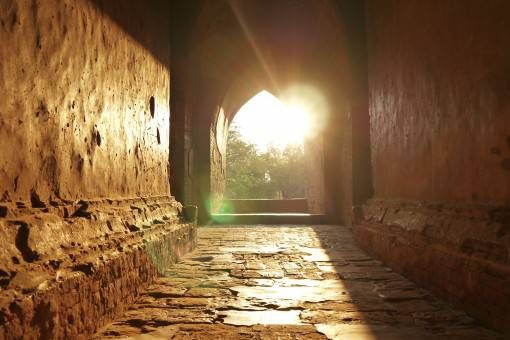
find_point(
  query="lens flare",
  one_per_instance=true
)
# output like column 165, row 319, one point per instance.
column 310, row 102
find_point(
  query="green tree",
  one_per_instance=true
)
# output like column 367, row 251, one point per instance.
column 272, row 174
column 286, row 171
column 246, row 171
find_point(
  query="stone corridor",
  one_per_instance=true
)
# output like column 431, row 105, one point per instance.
column 286, row 282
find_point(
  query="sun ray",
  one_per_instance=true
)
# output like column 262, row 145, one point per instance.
column 266, row 121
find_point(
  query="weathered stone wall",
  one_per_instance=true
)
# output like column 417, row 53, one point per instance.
column 440, row 128
column 219, row 135
column 65, row 270
column 314, row 170
column 458, row 251
column 439, row 108
column 85, row 106
column 86, row 216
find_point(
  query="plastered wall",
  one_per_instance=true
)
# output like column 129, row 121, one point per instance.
column 439, row 86
column 84, row 106
column 439, row 76
column 314, row 169
column 218, row 157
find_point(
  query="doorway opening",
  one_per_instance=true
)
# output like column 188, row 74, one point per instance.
column 265, row 153
column 274, row 159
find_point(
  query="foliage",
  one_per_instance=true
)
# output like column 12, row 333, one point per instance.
column 274, row 173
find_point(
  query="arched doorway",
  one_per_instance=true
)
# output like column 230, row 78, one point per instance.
column 269, row 158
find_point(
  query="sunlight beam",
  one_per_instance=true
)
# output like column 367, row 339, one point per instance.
column 265, row 121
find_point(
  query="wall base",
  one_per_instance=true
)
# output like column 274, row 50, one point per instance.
column 460, row 253
column 69, row 268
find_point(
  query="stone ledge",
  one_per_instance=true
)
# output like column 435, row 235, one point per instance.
column 261, row 205
column 460, row 253
column 68, row 268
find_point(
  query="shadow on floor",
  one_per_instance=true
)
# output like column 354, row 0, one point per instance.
column 287, row 282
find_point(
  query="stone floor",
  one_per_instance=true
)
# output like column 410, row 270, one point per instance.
column 276, row 282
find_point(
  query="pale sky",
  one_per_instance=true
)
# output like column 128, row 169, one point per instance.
column 264, row 120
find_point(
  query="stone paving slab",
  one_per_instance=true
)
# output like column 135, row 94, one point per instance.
column 287, row 282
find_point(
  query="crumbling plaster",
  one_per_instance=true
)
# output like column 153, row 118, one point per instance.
column 73, row 123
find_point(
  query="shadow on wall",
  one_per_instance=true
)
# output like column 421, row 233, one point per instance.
column 152, row 23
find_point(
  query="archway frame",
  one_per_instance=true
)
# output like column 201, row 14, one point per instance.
column 233, row 49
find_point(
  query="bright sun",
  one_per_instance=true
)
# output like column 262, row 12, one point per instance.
column 266, row 121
